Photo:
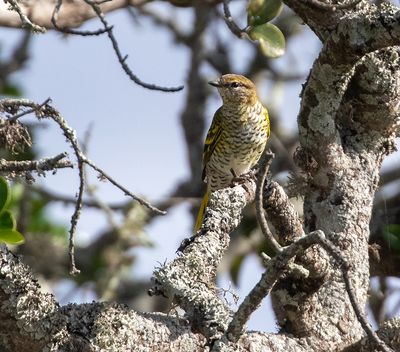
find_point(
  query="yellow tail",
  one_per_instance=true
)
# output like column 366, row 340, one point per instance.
column 202, row 210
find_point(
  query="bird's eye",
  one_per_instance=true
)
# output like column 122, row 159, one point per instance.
column 235, row 84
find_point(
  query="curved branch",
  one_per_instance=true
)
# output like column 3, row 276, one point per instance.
column 263, row 171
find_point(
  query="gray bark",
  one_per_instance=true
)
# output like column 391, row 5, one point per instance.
column 348, row 121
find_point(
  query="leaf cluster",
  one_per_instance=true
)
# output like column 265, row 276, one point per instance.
column 268, row 36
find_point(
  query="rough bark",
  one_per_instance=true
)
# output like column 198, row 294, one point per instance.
column 348, row 121
column 347, row 124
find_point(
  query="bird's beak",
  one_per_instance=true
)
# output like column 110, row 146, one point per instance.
column 215, row 83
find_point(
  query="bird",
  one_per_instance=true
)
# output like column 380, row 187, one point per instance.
column 236, row 138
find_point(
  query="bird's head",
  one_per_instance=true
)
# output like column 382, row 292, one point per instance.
column 236, row 89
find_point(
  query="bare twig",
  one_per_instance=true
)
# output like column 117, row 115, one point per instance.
column 122, row 59
column 122, row 188
column 54, row 19
column 12, row 106
column 35, row 109
column 234, row 28
column 82, row 159
column 95, row 5
column 26, row 22
column 274, row 270
column 330, row 7
column 90, row 189
column 45, row 164
column 264, row 167
column 71, row 137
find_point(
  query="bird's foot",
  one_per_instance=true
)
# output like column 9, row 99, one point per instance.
column 239, row 180
column 243, row 179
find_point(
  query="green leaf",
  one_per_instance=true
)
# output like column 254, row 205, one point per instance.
column 7, row 221
column 391, row 235
column 11, row 90
column 270, row 38
column 11, row 237
column 5, row 194
column 263, row 11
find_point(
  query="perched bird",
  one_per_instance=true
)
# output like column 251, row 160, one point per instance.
column 236, row 138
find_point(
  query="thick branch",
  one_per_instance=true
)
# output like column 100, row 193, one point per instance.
column 189, row 279
column 33, row 321
column 282, row 214
column 73, row 13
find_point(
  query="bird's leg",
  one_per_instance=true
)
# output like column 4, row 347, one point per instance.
column 237, row 180
column 242, row 179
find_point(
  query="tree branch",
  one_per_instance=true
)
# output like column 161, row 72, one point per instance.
column 45, row 164
column 234, row 28
column 263, row 171
column 72, row 15
column 37, row 321
column 193, row 288
column 99, row 8
column 54, row 19
column 275, row 269
column 12, row 106
column 26, row 23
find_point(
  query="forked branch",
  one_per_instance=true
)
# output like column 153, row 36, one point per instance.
column 16, row 108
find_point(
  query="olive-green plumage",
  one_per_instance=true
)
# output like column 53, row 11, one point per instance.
column 237, row 135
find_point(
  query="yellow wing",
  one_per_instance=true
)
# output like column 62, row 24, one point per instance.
column 267, row 125
column 213, row 136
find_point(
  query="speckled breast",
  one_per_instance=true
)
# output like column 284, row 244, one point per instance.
column 239, row 149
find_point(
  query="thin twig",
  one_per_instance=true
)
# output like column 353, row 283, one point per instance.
column 330, row 7
column 123, row 189
column 263, row 171
column 91, row 189
column 274, row 270
column 71, row 137
column 234, row 28
column 26, row 22
column 82, row 159
column 12, row 106
column 45, row 164
column 34, row 109
column 122, row 59
column 54, row 19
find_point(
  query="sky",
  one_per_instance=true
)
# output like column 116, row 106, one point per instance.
column 136, row 133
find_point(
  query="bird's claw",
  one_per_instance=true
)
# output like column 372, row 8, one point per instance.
column 188, row 241
column 240, row 180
